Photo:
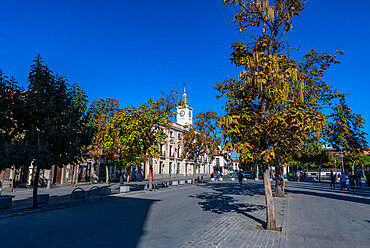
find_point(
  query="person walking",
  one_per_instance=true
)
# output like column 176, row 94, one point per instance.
column 332, row 180
column 240, row 177
column 342, row 181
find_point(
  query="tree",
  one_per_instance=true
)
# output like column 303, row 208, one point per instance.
column 104, row 111
column 275, row 104
column 201, row 139
column 345, row 130
column 56, row 125
column 137, row 132
column 11, row 104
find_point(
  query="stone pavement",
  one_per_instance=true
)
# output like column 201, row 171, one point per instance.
column 217, row 214
column 321, row 217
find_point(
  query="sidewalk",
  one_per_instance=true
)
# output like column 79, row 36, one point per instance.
column 60, row 194
column 321, row 217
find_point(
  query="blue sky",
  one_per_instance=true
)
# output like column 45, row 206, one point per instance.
column 133, row 50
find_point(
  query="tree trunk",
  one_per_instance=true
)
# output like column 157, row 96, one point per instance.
column 35, row 186
column 128, row 174
column 280, row 183
column 150, row 161
column 106, row 174
column 194, row 171
column 146, row 170
column 13, row 177
column 270, row 205
column 74, row 174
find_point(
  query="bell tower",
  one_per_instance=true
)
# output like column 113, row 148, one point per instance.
column 184, row 111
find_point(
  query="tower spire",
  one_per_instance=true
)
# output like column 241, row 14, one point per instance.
column 184, row 96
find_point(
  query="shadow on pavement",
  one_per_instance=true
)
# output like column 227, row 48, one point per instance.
column 315, row 190
column 222, row 201
column 117, row 222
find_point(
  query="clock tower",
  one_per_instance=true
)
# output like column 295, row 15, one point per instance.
column 184, row 112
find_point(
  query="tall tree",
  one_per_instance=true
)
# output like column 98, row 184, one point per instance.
column 201, row 140
column 104, row 112
column 345, row 130
column 274, row 105
column 11, row 127
column 56, row 125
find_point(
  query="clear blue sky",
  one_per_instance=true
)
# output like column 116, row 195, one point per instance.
column 133, row 50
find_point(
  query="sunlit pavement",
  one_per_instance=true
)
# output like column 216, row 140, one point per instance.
column 321, row 217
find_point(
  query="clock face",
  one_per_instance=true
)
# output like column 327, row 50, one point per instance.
column 182, row 113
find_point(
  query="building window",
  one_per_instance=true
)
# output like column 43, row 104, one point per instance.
column 171, row 134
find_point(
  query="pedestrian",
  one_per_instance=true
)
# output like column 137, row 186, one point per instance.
column 299, row 176
column 351, row 180
column 240, row 177
column 1, row 185
column 342, row 180
column 332, row 180
column 347, row 183
column 360, row 182
column 218, row 175
column 357, row 177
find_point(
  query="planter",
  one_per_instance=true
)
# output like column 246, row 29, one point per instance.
column 124, row 189
column 188, row 181
column 182, row 182
column 43, row 198
column 174, row 183
column 221, row 179
column 212, row 178
column 232, row 179
column 5, row 202
column 106, row 191
column 244, row 179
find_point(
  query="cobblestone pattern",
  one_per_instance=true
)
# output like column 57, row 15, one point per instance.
column 237, row 230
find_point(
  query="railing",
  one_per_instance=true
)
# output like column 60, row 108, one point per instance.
column 88, row 194
column 81, row 189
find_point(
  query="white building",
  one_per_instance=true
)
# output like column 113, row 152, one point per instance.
column 170, row 162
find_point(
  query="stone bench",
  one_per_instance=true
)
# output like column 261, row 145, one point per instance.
column 232, row 179
column 78, row 195
column 182, row 182
column 43, row 198
column 106, row 191
column 5, row 201
column 124, row 189
column 174, row 183
column 188, row 181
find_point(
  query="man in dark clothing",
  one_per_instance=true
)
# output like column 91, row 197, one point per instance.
column 332, row 180
column 240, row 177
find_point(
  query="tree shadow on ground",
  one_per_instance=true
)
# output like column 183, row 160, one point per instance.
column 222, row 201
column 307, row 189
column 247, row 189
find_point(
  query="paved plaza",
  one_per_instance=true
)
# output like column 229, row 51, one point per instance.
column 217, row 214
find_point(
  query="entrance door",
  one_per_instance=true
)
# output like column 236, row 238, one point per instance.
column 58, row 175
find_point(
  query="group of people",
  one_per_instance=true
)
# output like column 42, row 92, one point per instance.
column 216, row 175
column 346, row 181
